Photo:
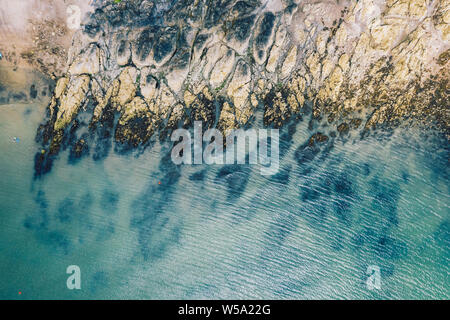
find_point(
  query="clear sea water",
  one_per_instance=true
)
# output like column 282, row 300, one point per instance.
column 309, row 232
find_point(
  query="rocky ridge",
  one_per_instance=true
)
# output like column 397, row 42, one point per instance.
column 139, row 69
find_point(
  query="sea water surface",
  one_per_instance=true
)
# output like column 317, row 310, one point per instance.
column 140, row 227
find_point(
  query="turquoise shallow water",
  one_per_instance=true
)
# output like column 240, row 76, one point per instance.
column 226, row 232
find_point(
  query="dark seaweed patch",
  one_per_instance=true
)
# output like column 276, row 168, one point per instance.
column 215, row 12
column 282, row 176
column 123, row 44
column 280, row 229
column 105, row 232
column 242, row 27
column 65, row 210
column 101, row 148
column 343, row 185
column 365, row 169
column 85, row 202
column 39, row 219
column 390, row 248
column 198, row 176
column 442, row 235
column 305, row 154
column 315, row 216
column 265, row 30
column 236, row 179
column 245, row 7
column 78, row 149
column 99, row 281
column 17, row 97
column 55, row 239
column 286, row 140
column 165, row 44
column 109, row 201
column 200, row 40
column 155, row 232
column 144, row 44
column 405, row 176
column 33, row 92
column 309, row 194
column 385, row 201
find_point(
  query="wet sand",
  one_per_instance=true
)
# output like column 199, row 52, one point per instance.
column 35, row 33
column 19, row 85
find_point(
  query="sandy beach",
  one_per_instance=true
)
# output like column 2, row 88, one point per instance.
column 37, row 33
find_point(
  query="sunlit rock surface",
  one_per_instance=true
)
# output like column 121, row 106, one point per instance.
column 139, row 69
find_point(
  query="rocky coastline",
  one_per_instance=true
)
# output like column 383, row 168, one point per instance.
column 139, row 69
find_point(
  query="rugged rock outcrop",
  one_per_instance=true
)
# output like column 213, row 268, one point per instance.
column 140, row 68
